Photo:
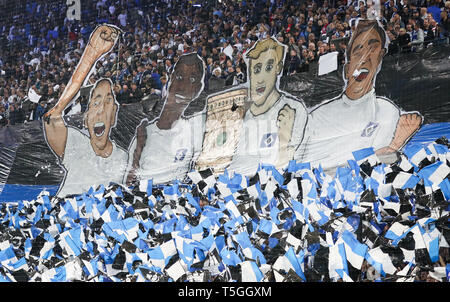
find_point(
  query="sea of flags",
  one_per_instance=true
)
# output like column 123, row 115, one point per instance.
column 369, row 221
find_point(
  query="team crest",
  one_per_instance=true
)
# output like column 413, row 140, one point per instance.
column 268, row 140
column 369, row 129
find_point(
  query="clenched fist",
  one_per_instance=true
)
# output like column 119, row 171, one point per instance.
column 104, row 38
column 285, row 123
column 406, row 126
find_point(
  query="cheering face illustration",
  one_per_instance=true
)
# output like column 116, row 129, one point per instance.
column 365, row 54
column 101, row 115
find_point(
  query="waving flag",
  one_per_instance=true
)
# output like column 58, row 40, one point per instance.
column 405, row 180
column 380, row 261
column 415, row 153
column 367, row 154
column 337, row 263
column 250, row 272
column 354, row 250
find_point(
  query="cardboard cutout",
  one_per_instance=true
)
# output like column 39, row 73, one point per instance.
column 165, row 148
column 358, row 118
column 256, row 122
column 88, row 158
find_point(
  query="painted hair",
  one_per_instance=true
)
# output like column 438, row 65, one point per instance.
column 264, row 45
column 114, row 97
column 191, row 59
column 364, row 26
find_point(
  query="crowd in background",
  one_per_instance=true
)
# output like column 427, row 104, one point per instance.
column 40, row 46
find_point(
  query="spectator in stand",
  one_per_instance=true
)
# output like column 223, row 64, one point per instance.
column 230, row 77
column 417, row 37
column 124, row 97
column 404, row 40
column 293, row 63
column 135, row 93
column 445, row 23
column 40, row 110
column 435, row 10
column 216, row 81
column 3, row 118
column 428, row 31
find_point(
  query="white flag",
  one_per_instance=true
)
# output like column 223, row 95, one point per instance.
column 328, row 63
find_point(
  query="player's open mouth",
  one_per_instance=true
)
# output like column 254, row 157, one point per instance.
column 179, row 98
column 260, row 90
column 99, row 128
column 361, row 74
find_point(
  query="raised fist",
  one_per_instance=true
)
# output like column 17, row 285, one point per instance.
column 406, row 126
column 409, row 122
column 104, row 38
column 285, row 123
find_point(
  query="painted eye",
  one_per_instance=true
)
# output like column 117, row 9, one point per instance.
column 192, row 79
column 257, row 69
column 269, row 67
column 96, row 103
column 179, row 78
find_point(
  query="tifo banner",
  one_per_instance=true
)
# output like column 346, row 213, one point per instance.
column 373, row 101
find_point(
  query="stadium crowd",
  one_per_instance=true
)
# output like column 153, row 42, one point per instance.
column 40, row 46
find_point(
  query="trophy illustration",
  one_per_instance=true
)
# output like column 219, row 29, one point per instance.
column 225, row 113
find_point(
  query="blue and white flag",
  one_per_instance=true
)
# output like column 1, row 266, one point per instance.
column 415, row 153
column 433, row 175
column 146, row 186
column 7, row 257
column 337, row 262
column 405, row 180
column 294, row 166
column 397, row 231
column 367, row 154
column 90, row 267
column 404, row 164
column 290, row 262
column 73, row 241
column 267, row 226
column 354, row 250
column 161, row 255
column 126, row 229
column 318, row 212
column 229, row 257
column 300, row 211
column 445, row 188
column 250, row 272
column 380, row 261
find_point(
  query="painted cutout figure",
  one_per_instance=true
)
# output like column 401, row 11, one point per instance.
column 274, row 123
column 166, row 148
column 89, row 158
column 358, row 118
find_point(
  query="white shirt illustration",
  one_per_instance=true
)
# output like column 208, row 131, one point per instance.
column 169, row 154
column 259, row 141
column 84, row 168
column 341, row 126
